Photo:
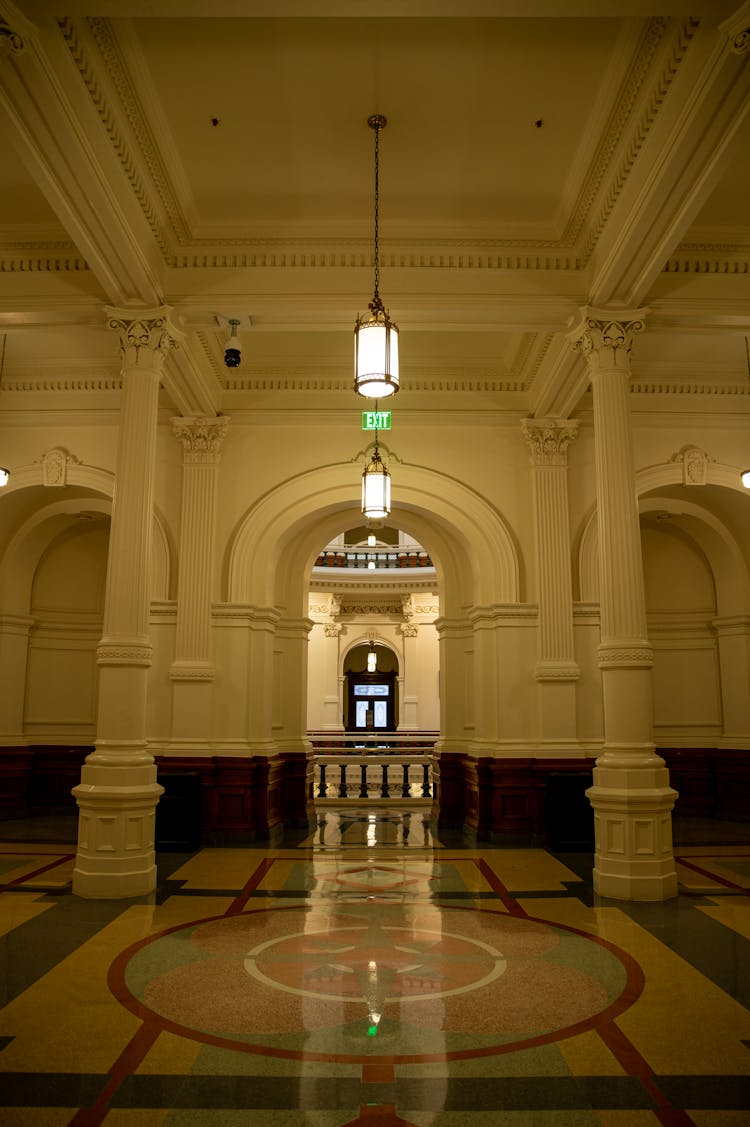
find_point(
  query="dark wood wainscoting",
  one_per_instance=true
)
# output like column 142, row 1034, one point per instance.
column 213, row 798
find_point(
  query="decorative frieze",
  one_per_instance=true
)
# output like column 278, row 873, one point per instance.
column 117, row 654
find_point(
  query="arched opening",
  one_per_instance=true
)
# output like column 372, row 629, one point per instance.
column 370, row 688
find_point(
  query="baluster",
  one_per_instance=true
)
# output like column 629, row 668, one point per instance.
column 405, row 785
column 342, row 782
column 363, row 781
column 426, row 781
column 322, row 785
column 384, row 788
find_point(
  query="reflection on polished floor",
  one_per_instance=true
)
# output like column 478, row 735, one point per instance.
column 374, row 972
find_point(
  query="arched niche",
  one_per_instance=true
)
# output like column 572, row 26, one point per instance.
column 40, row 513
column 695, row 511
column 269, row 559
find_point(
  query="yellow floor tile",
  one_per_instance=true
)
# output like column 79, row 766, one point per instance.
column 587, row 1055
column 220, row 868
column 18, row 907
column 709, row 1026
column 170, row 1055
column 35, row 1116
column 734, row 914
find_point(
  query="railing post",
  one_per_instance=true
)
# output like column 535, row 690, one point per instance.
column 363, row 781
column 342, row 781
column 405, row 785
column 384, row 792
column 426, row 781
column 322, row 784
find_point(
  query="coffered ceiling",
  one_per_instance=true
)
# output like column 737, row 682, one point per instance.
column 216, row 159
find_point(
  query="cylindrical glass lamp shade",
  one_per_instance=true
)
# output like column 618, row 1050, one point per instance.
column 376, row 489
column 4, row 476
column 744, row 478
column 375, row 355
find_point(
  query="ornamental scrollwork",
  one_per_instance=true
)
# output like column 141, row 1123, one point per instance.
column 694, row 464
column 151, row 333
column 549, row 439
column 633, row 657
column 201, row 435
column 124, row 655
column 11, row 42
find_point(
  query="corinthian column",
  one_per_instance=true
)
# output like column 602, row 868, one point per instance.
column 118, row 791
column 556, row 671
column 192, row 673
column 631, row 795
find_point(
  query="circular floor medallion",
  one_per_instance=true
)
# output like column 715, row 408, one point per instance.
column 413, row 982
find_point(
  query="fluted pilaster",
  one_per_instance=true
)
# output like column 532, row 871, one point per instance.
column 201, row 440
column 548, row 441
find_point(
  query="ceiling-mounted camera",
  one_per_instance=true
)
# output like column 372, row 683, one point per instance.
column 233, row 348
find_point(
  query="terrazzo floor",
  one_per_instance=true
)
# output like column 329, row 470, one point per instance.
column 373, row 972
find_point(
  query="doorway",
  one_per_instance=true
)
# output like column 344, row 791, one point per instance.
column 371, row 687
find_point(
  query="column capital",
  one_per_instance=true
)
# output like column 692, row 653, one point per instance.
column 549, row 439
column 145, row 334
column 605, row 337
column 200, row 435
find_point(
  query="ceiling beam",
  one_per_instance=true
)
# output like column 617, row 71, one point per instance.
column 63, row 143
column 679, row 165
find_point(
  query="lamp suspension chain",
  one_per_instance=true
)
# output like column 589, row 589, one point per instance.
column 376, row 302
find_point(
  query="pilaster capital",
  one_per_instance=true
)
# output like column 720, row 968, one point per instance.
column 201, row 437
column 409, row 629
column 145, row 335
column 605, row 337
column 549, row 439
column 331, row 629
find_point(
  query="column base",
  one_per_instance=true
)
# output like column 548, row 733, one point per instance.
column 117, row 805
column 633, row 831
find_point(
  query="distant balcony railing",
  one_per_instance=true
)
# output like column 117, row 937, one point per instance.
column 352, row 768
column 381, row 558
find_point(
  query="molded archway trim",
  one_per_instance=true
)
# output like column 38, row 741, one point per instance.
column 276, row 543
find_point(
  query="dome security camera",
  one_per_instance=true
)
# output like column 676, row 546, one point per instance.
column 233, row 348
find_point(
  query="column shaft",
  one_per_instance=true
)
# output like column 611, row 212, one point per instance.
column 118, row 791
column 631, row 795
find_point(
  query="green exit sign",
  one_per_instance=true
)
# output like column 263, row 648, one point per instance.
column 376, row 420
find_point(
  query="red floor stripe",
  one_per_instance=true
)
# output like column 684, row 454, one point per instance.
column 60, row 860
column 713, row 876
column 623, row 1049
column 127, row 1062
column 511, row 904
column 240, row 901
